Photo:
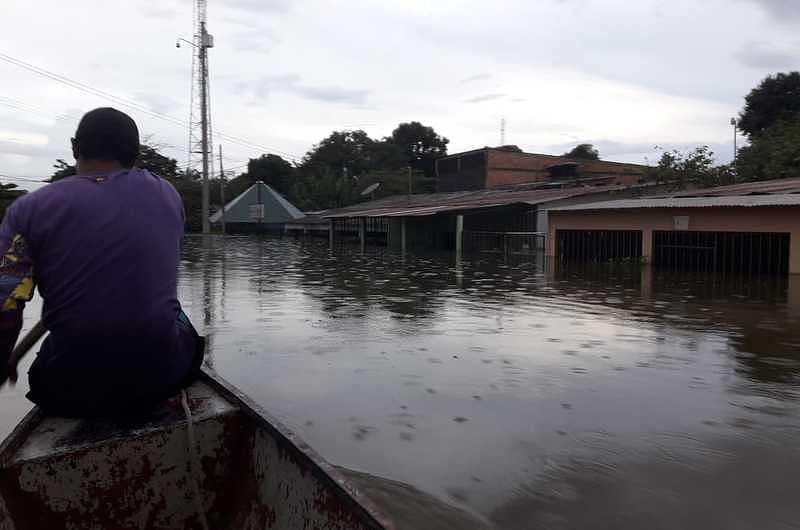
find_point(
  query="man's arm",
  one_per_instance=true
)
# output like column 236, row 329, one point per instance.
column 16, row 288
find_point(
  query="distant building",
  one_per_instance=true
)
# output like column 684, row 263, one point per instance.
column 491, row 168
column 258, row 209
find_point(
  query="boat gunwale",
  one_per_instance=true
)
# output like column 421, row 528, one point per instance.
column 284, row 437
column 289, row 440
column 14, row 440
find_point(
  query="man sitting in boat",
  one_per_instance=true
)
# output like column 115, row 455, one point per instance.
column 103, row 246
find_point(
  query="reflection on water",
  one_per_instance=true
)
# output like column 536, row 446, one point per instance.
column 520, row 395
column 506, row 394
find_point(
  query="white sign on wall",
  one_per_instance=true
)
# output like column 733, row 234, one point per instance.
column 681, row 222
column 257, row 212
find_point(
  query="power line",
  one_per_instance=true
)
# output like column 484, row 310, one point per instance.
column 23, row 179
column 132, row 104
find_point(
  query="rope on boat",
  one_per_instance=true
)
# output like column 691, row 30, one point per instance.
column 194, row 467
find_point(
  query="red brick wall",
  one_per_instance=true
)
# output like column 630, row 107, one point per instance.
column 506, row 168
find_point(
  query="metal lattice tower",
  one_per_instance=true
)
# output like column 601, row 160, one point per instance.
column 200, row 146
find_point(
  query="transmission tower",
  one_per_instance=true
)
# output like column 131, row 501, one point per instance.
column 200, row 148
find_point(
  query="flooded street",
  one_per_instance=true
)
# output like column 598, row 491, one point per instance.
column 503, row 395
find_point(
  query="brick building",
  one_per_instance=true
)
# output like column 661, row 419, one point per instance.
column 491, row 168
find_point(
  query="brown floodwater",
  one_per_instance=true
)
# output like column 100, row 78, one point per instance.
column 508, row 394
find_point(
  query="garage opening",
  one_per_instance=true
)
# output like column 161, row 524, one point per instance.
column 598, row 246
column 734, row 252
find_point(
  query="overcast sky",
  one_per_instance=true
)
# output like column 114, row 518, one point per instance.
column 624, row 75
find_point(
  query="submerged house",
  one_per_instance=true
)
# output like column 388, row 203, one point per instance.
column 258, row 209
column 750, row 228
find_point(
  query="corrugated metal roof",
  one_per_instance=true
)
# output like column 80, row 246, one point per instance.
column 782, row 186
column 688, row 202
column 433, row 203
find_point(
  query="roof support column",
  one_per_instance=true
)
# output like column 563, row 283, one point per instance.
column 403, row 236
column 647, row 245
column 459, row 234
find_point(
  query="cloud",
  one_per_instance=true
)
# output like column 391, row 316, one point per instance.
column 257, row 39
column 157, row 102
column 476, row 77
column 782, row 10
column 261, row 6
column 485, row 97
column 765, row 55
column 159, row 12
column 291, row 83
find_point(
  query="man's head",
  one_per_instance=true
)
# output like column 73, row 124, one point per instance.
column 105, row 138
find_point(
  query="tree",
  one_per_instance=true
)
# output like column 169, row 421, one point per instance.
column 420, row 144
column 584, row 152
column 694, row 167
column 775, row 99
column 773, row 153
column 323, row 190
column 62, row 170
column 8, row 194
column 341, row 153
column 509, row 148
column 153, row 161
column 272, row 170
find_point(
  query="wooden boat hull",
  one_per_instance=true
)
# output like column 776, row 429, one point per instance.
column 253, row 473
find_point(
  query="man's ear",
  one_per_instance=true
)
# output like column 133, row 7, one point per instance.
column 75, row 153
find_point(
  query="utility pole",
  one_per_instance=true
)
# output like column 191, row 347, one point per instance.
column 222, row 188
column 502, row 132
column 204, row 120
column 735, row 152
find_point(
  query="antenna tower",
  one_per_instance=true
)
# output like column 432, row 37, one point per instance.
column 200, row 148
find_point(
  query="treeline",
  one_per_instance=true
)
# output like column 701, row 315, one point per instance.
column 338, row 169
column 770, row 120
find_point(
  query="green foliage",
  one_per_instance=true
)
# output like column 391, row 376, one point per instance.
column 694, row 167
column 153, row 161
column 584, row 152
column 272, row 170
column 773, row 153
column 420, row 145
column 62, row 170
column 8, row 194
column 775, row 99
column 509, row 148
column 323, row 190
column 343, row 153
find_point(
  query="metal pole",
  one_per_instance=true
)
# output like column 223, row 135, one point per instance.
column 222, row 188
column 734, row 123
column 409, row 183
column 204, row 122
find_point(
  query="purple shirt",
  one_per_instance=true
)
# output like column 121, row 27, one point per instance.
column 105, row 251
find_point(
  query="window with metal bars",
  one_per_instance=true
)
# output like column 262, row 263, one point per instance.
column 599, row 246
column 734, row 252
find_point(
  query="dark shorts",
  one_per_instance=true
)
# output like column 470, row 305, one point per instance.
column 113, row 380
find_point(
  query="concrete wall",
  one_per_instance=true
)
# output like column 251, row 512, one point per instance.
column 783, row 219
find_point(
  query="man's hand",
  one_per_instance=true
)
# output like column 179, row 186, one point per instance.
column 9, row 373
